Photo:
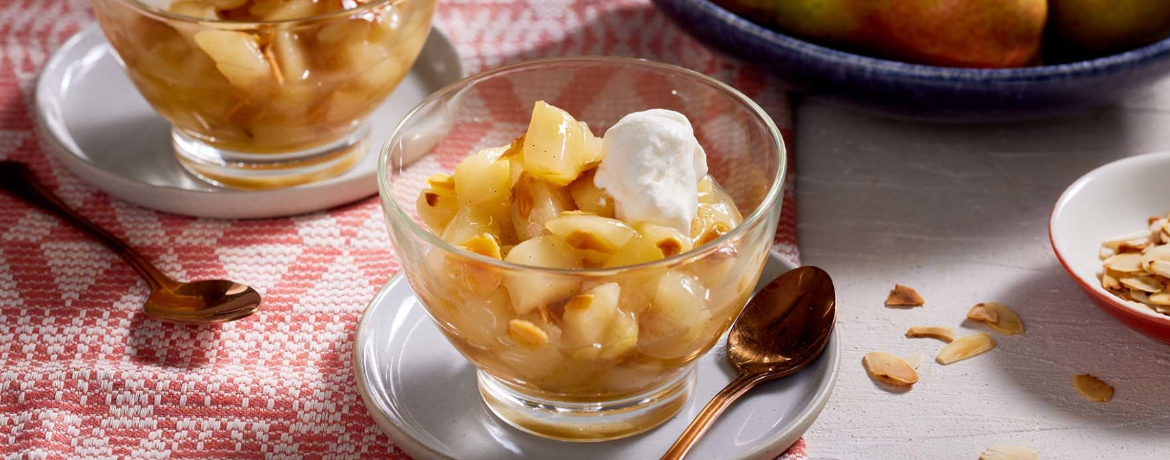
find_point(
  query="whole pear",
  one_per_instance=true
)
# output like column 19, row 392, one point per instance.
column 957, row 33
column 1110, row 25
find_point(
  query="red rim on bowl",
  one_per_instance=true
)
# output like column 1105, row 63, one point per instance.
column 1149, row 323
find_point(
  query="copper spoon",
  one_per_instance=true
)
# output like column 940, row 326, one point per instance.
column 197, row 302
column 783, row 329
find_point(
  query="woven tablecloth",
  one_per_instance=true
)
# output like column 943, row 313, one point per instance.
column 83, row 371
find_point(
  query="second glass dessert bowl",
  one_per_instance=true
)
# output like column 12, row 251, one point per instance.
column 266, row 93
column 604, row 346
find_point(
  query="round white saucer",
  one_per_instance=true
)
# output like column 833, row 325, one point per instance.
column 97, row 124
column 423, row 394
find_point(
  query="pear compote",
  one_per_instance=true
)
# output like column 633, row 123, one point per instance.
column 593, row 336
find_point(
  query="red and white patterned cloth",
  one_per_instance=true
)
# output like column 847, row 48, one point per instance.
column 84, row 373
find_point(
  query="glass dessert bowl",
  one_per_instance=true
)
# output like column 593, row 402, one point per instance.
column 583, row 274
column 266, row 93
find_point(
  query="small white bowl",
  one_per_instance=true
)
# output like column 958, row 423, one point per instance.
column 1109, row 201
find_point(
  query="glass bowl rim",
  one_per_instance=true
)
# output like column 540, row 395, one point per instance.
column 159, row 13
column 775, row 192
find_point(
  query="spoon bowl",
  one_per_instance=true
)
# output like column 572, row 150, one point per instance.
column 783, row 329
column 788, row 321
column 203, row 302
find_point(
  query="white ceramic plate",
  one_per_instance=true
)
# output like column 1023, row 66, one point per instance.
column 100, row 127
column 1110, row 201
column 423, row 394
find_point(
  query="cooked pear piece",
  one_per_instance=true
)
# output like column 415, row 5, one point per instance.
column 596, row 237
column 468, row 223
column 588, row 316
column 622, row 336
column 589, row 197
column 529, row 290
column 484, row 180
column 557, row 147
column 238, row 57
column 534, row 203
column 678, row 302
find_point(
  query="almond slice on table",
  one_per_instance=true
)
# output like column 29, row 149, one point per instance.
column 888, row 368
column 1092, row 388
column 945, row 334
column 998, row 317
column 904, row 296
column 965, row 347
column 1009, row 453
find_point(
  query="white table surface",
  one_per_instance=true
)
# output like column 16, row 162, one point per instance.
column 960, row 212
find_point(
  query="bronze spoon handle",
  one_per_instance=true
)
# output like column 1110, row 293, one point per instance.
column 710, row 412
column 17, row 179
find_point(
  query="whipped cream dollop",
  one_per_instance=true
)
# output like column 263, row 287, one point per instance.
column 651, row 166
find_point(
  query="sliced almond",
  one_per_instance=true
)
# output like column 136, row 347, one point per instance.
column 998, row 317
column 1160, row 299
column 1160, row 268
column 1106, row 252
column 1117, row 241
column 965, row 347
column 1009, row 453
column 526, row 333
column 982, row 314
column 887, row 368
column 1092, row 388
column 1109, row 282
column 1139, row 296
column 945, row 334
column 1155, row 253
column 1125, row 263
column 1142, row 283
column 904, row 296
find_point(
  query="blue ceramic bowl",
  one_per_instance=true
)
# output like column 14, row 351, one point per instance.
column 922, row 91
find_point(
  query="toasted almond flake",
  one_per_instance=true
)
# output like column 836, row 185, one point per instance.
column 1142, row 283
column 527, row 334
column 981, row 313
column 1160, row 268
column 1161, row 299
column 1092, row 388
column 1116, row 241
column 945, row 334
column 965, row 347
column 1109, row 282
column 441, row 181
column 1155, row 253
column 904, row 296
column 1152, row 221
column 998, row 317
column 914, row 360
column 1106, row 252
column 1135, row 245
column 887, row 368
column 1009, row 453
column 484, row 244
column 1125, row 263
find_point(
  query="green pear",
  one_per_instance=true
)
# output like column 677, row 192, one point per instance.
column 1110, row 25
column 958, row 33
